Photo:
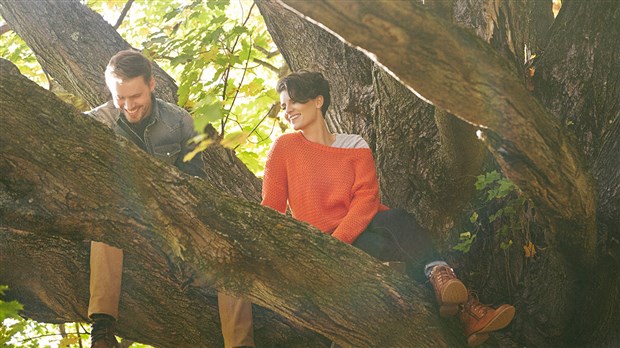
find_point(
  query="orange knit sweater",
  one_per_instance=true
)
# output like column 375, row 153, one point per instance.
column 333, row 189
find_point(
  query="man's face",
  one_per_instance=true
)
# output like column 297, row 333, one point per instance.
column 132, row 96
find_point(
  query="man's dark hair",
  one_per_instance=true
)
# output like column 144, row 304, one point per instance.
column 129, row 64
column 305, row 85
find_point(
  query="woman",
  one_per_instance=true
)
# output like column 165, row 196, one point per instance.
column 329, row 181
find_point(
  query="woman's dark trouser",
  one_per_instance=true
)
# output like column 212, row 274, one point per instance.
column 395, row 235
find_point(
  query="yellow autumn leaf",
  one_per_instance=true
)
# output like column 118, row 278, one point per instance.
column 529, row 249
column 202, row 145
column 235, row 138
column 209, row 55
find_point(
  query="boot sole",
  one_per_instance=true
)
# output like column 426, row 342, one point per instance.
column 452, row 296
column 477, row 339
column 503, row 317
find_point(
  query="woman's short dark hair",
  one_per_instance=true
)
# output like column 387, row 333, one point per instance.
column 305, row 85
column 128, row 64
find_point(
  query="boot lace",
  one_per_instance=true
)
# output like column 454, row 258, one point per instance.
column 475, row 307
column 443, row 274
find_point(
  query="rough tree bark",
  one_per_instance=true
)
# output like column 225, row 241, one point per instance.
column 75, row 51
column 578, row 77
column 48, row 271
column 68, row 177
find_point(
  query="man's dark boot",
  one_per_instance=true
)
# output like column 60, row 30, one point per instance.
column 479, row 320
column 102, row 332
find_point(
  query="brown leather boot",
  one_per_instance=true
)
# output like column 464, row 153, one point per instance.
column 449, row 290
column 102, row 332
column 480, row 319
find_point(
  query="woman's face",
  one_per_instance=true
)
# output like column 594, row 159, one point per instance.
column 301, row 115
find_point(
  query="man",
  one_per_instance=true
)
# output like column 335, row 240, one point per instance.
column 163, row 130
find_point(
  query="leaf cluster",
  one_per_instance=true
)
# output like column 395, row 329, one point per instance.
column 12, row 323
column 504, row 210
column 14, row 49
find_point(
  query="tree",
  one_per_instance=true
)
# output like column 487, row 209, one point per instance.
column 420, row 175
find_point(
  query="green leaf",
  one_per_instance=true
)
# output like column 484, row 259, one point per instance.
column 492, row 176
column 252, row 160
column 495, row 216
column 474, row 217
column 467, row 239
column 8, row 309
column 208, row 113
column 168, row 16
column 506, row 187
column 505, row 245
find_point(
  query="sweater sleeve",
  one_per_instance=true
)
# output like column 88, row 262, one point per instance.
column 364, row 200
column 275, row 180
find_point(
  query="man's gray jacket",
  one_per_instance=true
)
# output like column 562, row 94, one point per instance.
column 166, row 137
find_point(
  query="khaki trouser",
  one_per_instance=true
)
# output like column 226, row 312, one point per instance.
column 236, row 318
column 106, row 269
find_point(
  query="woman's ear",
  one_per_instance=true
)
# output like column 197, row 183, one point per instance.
column 318, row 101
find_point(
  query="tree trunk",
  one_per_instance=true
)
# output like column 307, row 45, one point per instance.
column 578, row 77
column 67, row 177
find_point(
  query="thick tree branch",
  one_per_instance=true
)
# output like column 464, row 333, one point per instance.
column 460, row 73
column 87, row 184
column 124, row 12
column 267, row 65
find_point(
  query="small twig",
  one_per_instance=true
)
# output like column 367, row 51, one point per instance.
column 4, row 28
column 77, row 331
column 260, row 122
column 63, row 331
column 120, row 19
column 38, row 337
column 232, row 104
column 265, row 52
column 267, row 65
column 49, row 80
column 231, row 51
